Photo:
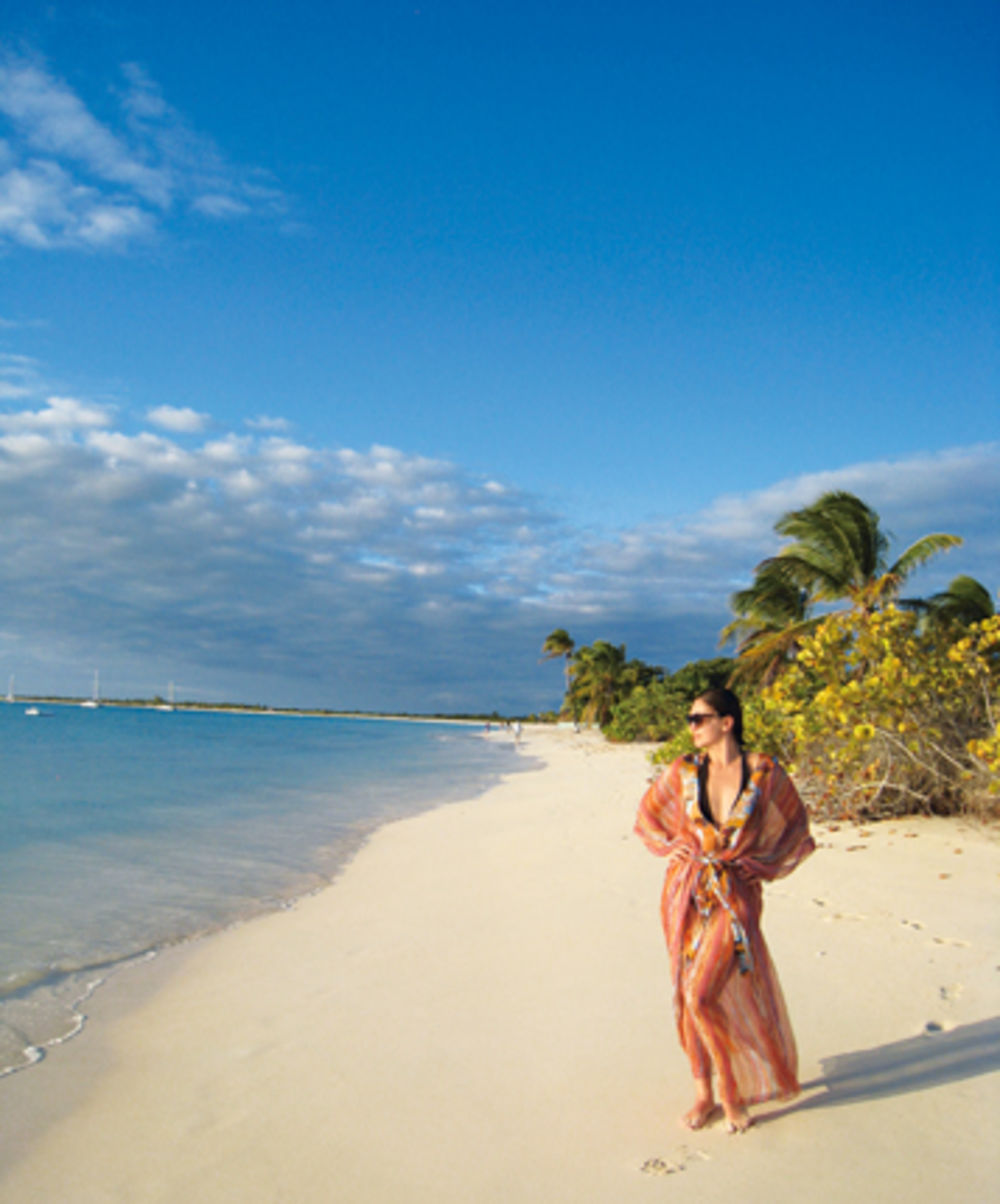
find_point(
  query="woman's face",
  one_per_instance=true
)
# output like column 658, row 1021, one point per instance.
column 705, row 725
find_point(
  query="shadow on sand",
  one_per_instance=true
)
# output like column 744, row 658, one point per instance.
column 929, row 1060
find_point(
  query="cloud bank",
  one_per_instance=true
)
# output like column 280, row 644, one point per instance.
column 71, row 180
column 244, row 564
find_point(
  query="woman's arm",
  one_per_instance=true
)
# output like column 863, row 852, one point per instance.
column 781, row 839
column 657, row 823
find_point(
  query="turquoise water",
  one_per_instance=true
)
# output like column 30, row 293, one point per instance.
column 122, row 831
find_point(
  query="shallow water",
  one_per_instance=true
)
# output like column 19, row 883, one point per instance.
column 122, row 831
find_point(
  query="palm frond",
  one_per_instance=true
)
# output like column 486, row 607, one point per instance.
column 921, row 551
column 797, row 567
column 838, row 535
column 762, row 656
column 964, row 602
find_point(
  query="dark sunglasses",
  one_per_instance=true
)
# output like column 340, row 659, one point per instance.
column 699, row 717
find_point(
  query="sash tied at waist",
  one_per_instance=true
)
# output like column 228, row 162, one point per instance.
column 711, row 888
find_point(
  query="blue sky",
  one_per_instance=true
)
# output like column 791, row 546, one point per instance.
column 347, row 349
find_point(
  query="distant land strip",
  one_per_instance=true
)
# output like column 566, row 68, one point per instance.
column 240, row 708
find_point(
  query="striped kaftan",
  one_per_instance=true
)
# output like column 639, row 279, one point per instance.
column 728, row 1004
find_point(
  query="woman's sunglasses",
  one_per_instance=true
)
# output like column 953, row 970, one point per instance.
column 698, row 717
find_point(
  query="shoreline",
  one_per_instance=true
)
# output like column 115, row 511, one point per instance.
column 236, row 708
column 478, row 1008
column 68, row 994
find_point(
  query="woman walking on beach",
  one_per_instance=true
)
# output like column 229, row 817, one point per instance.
column 726, row 821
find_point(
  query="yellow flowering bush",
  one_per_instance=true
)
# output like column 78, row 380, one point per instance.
column 875, row 717
column 884, row 719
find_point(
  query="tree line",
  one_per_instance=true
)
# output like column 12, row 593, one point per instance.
column 887, row 703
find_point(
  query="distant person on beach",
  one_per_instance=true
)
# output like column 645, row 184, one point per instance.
column 726, row 821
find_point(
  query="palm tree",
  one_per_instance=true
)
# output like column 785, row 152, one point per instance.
column 839, row 550
column 771, row 619
column 595, row 675
column 558, row 643
column 964, row 602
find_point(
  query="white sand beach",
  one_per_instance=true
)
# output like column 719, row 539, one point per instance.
column 478, row 1012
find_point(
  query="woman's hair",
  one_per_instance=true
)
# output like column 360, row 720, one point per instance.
column 724, row 702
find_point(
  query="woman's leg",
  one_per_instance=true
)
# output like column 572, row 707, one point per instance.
column 701, row 1070
column 707, row 1021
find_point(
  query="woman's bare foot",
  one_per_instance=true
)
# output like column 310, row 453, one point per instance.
column 702, row 1112
column 738, row 1120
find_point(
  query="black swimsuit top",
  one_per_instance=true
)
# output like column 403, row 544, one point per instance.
column 703, row 806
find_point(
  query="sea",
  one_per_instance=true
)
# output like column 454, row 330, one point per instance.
column 127, row 830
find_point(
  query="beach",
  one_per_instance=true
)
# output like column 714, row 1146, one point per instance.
column 479, row 1009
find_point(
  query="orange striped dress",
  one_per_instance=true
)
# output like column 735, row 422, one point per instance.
column 730, row 1012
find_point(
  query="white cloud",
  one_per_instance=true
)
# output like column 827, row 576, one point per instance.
column 18, row 324
column 376, row 577
column 285, row 451
column 250, row 542
column 148, row 452
column 68, row 179
column 694, row 563
column 287, row 463
column 911, row 494
column 220, row 206
column 242, row 484
column 61, row 414
column 179, row 419
column 266, row 423
column 26, row 450
column 19, row 377
column 229, row 450
column 51, row 119
column 42, row 207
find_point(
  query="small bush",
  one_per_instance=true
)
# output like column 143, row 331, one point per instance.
column 655, row 710
column 650, row 712
column 882, row 719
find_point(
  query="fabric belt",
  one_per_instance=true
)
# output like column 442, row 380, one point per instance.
column 712, row 880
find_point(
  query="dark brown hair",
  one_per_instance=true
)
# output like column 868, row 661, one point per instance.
column 724, row 702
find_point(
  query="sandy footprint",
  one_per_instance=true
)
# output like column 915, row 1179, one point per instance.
column 684, row 1158
column 660, row 1166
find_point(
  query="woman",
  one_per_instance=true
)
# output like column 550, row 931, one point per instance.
column 726, row 821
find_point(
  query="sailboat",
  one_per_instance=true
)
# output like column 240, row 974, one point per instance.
column 32, row 710
column 169, row 704
column 95, row 700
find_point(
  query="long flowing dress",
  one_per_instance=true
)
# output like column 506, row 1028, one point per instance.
column 730, row 1012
